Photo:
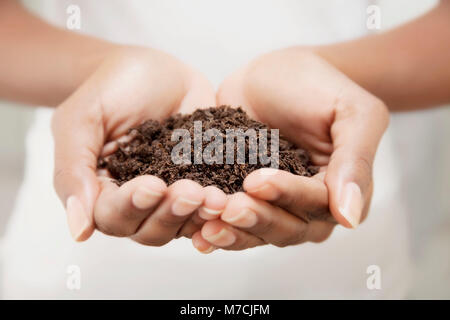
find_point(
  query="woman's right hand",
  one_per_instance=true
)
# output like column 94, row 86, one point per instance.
column 132, row 84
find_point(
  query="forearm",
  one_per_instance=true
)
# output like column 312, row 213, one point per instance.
column 408, row 67
column 41, row 64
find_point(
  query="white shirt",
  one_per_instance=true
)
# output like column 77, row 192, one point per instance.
column 215, row 37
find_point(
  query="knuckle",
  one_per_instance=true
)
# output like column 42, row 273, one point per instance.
column 185, row 233
column 242, row 244
column 299, row 236
column 322, row 236
column 150, row 241
column 112, row 229
column 131, row 215
column 293, row 238
column 282, row 243
column 107, row 222
column 363, row 165
column 292, row 200
column 318, row 214
column 266, row 226
column 170, row 222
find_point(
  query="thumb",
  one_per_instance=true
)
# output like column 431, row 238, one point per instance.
column 356, row 133
column 200, row 93
column 231, row 90
column 232, row 93
column 78, row 136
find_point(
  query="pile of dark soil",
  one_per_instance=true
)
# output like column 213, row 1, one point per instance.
column 149, row 151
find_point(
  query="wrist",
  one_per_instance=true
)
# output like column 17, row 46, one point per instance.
column 84, row 64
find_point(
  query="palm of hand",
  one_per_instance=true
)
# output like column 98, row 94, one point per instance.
column 297, row 96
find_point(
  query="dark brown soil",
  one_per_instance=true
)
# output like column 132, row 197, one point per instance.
column 149, row 152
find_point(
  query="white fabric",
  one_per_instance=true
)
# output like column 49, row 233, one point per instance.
column 216, row 37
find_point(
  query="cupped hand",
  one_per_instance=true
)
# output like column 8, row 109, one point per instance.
column 131, row 85
column 320, row 109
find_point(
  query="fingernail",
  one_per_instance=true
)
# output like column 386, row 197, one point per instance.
column 183, row 206
column 198, row 244
column 351, row 204
column 223, row 238
column 246, row 218
column 77, row 218
column 144, row 198
column 209, row 250
column 206, row 251
column 206, row 213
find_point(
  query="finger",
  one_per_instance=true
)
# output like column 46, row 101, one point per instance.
column 120, row 211
column 356, row 133
column 231, row 92
column 110, row 147
column 201, row 244
column 78, row 138
column 222, row 235
column 191, row 226
column 183, row 198
column 270, row 223
column 199, row 94
column 305, row 197
column 214, row 203
column 319, row 231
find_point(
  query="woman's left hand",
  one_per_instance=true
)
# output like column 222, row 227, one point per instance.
column 316, row 107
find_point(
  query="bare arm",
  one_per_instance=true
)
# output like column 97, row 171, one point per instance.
column 408, row 67
column 40, row 63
